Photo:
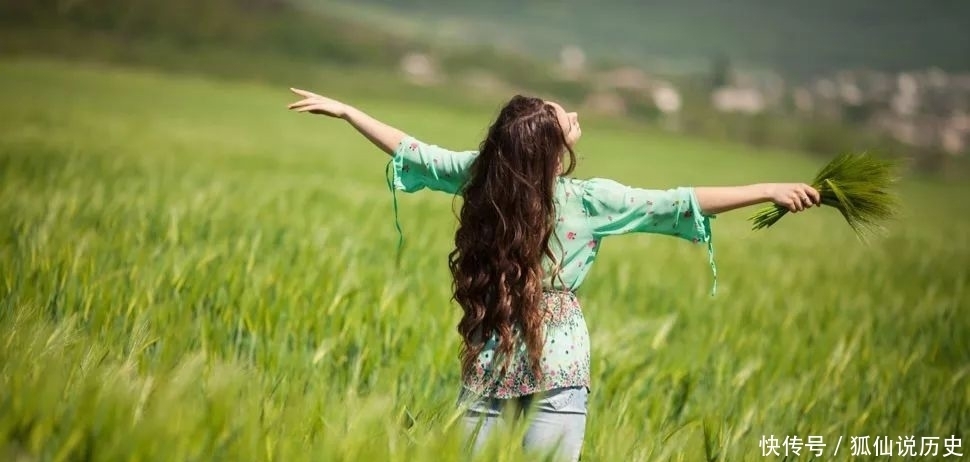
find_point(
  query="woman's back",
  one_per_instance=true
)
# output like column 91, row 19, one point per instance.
column 586, row 210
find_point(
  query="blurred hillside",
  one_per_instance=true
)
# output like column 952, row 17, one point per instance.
column 797, row 38
column 406, row 48
column 252, row 25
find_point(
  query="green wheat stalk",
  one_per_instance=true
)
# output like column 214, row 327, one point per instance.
column 859, row 186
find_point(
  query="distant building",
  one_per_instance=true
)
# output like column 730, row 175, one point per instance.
column 738, row 99
column 605, row 103
column 420, row 69
column 625, row 78
column 927, row 108
column 572, row 61
column 666, row 99
column 803, row 100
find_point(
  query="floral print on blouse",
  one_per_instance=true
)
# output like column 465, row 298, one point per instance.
column 565, row 355
column 586, row 212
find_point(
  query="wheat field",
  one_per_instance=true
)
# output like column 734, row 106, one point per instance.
column 190, row 272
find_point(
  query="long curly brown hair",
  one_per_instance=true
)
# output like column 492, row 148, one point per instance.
column 505, row 224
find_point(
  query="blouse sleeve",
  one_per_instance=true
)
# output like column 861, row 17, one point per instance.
column 417, row 165
column 614, row 209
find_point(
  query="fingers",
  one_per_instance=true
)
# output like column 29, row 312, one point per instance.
column 302, row 102
column 303, row 93
column 816, row 196
column 795, row 203
column 315, row 108
column 809, row 195
column 805, row 200
column 315, row 104
column 801, row 197
column 308, row 98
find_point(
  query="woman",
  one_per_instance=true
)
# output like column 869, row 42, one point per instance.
column 526, row 238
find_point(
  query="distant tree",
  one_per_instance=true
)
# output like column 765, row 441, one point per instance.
column 720, row 71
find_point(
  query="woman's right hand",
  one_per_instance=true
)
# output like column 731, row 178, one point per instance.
column 316, row 104
column 794, row 196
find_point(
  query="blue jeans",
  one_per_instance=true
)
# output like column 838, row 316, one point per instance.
column 557, row 419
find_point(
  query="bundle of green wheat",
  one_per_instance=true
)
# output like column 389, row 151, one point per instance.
column 858, row 185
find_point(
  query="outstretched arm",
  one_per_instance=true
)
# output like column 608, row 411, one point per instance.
column 384, row 136
column 416, row 165
column 614, row 208
column 793, row 196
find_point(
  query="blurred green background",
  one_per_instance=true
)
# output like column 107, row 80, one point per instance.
column 820, row 76
column 191, row 272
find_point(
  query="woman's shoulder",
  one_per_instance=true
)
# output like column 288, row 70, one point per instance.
column 569, row 186
column 588, row 186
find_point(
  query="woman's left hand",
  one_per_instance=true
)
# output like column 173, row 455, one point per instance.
column 316, row 104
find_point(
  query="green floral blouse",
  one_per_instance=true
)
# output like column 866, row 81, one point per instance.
column 587, row 211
